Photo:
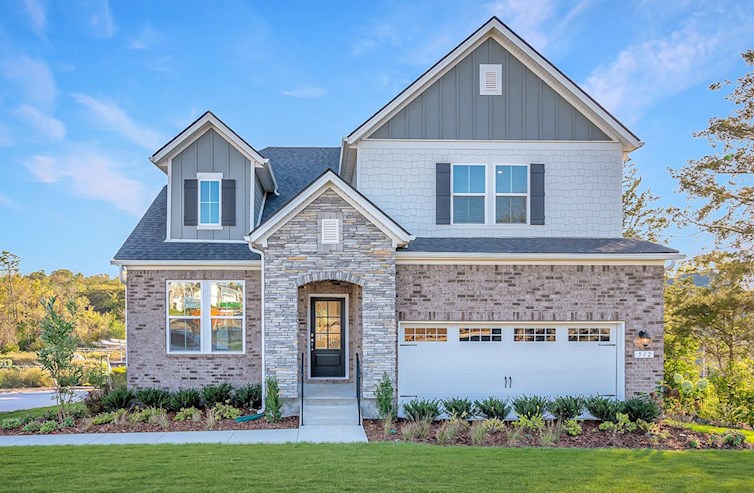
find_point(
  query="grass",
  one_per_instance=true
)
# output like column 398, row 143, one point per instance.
column 749, row 434
column 368, row 467
column 36, row 412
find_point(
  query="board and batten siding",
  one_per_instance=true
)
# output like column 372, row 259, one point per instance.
column 258, row 198
column 210, row 153
column 452, row 108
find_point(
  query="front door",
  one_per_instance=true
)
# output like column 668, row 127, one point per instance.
column 328, row 337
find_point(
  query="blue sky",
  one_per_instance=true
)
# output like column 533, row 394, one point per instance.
column 89, row 89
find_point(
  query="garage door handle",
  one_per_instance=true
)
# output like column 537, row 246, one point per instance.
column 510, row 379
column 506, row 382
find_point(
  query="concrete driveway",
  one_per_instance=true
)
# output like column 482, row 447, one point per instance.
column 29, row 399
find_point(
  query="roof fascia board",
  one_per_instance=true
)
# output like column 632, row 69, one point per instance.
column 194, row 264
column 329, row 180
column 533, row 60
column 200, row 127
column 404, row 257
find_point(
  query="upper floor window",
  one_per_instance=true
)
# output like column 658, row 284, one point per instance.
column 469, row 193
column 511, row 194
column 209, row 199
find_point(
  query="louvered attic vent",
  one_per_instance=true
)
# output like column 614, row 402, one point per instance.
column 330, row 231
column 490, row 79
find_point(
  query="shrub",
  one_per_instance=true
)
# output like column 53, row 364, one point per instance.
column 120, row 416
column 10, row 423
column 478, row 433
column 273, row 404
column 603, row 408
column 385, row 394
column 530, row 406
column 22, row 358
column 183, row 399
column 550, row 434
column 642, row 408
column 153, row 397
column 572, row 427
column 422, row 410
column 32, row 427
column 493, row 408
column 694, row 443
column 68, row 422
column 248, row 396
column 566, row 407
column 416, row 429
column 189, row 413
column 78, row 410
column 493, row 425
column 213, row 394
column 13, row 378
column 226, row 411
column 118, row 377
column 152, row 415
column 48, row 427
column 449, row 431
column 93, row 401
column 733, row 438
column 607, row 426
column 119, row 398
column 103, row 419
column 458, row 408
column 533, row 423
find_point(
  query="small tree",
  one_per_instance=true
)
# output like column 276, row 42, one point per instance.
column 642, row 218
column 56, row 355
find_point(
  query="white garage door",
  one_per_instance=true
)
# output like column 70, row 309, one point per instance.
column 442, row 360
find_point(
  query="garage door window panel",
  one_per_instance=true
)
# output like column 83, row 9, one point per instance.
column 480, row 335
column 425, row 334
column 535, row 334
column 589, row 334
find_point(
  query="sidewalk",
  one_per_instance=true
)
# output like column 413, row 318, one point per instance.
column 311, row 434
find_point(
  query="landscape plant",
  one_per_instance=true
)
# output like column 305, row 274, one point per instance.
column 458, row 408
column 493, row 408
column 566, row 407
column 184, row 398
column 449, row 431
column 530, row 424
column 273, row 405
column 528, row 406
column 572, row 427
column 422, row 410
column 603, row 408
column 220, row 393
column 226, row 411
column 153, row 397
column 248, row 396
column 642, row 408
column 120, row 398
column 188, row 414
column 56, row 355
column 385, row 395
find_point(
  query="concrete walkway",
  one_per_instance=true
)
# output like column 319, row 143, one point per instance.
column 310, row 434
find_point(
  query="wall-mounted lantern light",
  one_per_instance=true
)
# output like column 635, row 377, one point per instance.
column 643, row 339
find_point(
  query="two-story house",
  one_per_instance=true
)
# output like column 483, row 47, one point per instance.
column 465, row 240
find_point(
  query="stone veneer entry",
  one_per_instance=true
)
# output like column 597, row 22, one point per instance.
column 294, row 257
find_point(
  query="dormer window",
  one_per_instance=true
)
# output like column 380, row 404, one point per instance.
column 210, row 189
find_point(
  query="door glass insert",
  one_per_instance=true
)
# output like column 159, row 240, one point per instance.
column 327, row 325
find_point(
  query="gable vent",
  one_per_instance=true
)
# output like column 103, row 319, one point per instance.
column 330, row 231
column 490, row 79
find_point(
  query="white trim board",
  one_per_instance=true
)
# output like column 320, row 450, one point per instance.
column 189, row 264
column 465, row 258
column 330, row 181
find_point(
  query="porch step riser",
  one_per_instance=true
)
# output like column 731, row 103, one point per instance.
column 322, row 414
column 329, row 401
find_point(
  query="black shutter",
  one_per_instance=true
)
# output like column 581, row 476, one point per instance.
column 442, row 193
column 537, row 183
column 190, row 205
column 229, row 203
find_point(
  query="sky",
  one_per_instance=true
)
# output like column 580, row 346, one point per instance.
column 90, row 89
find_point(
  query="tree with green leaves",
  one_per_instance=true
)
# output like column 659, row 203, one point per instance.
column 642, row 218
column 722, row 183
column 56, row 354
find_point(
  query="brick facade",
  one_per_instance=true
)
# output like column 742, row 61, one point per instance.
column 294, row 257
column 149, row 365
column 632, row 294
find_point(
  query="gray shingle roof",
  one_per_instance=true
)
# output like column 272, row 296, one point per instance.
column 147, row 241
column 536, row 245
column 295, row 168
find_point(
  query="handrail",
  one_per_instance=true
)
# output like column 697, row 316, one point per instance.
column 301, row 379
column 358, row 386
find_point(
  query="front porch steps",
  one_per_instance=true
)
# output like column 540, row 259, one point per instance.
column 330, row 404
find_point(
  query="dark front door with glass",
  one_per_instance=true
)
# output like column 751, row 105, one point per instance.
column 328, row 338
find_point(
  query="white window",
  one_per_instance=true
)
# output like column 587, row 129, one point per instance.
column 205, row 317
column 330, row 231
column 490, row 79
column 480, row 335
column 210, row 190
column 469, row 193
column 589, row 334
column 511, row 194
column 534, row 334
column 425, row 334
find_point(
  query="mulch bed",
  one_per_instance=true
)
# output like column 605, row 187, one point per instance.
column 83, row 426
column 591, row 437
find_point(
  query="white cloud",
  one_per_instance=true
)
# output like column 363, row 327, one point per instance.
column 6, row 201
column 646, row 72
column 33, row 79
column 50, row 127
column 113, row 118
column 37, row 15
column 305, row 92
column 145, row 40
column 100, row 19
column 91, row 175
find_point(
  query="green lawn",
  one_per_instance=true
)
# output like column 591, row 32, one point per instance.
column 713, row 429
column 368, row 467
column 36, row 412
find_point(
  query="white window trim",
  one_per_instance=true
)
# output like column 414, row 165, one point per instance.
column 209, row 177
column 490, row 194
column 495, row 195
column 205, row 319
column 453, row 195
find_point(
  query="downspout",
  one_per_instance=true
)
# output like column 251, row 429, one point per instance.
column 262, row 318
column 123, row 276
